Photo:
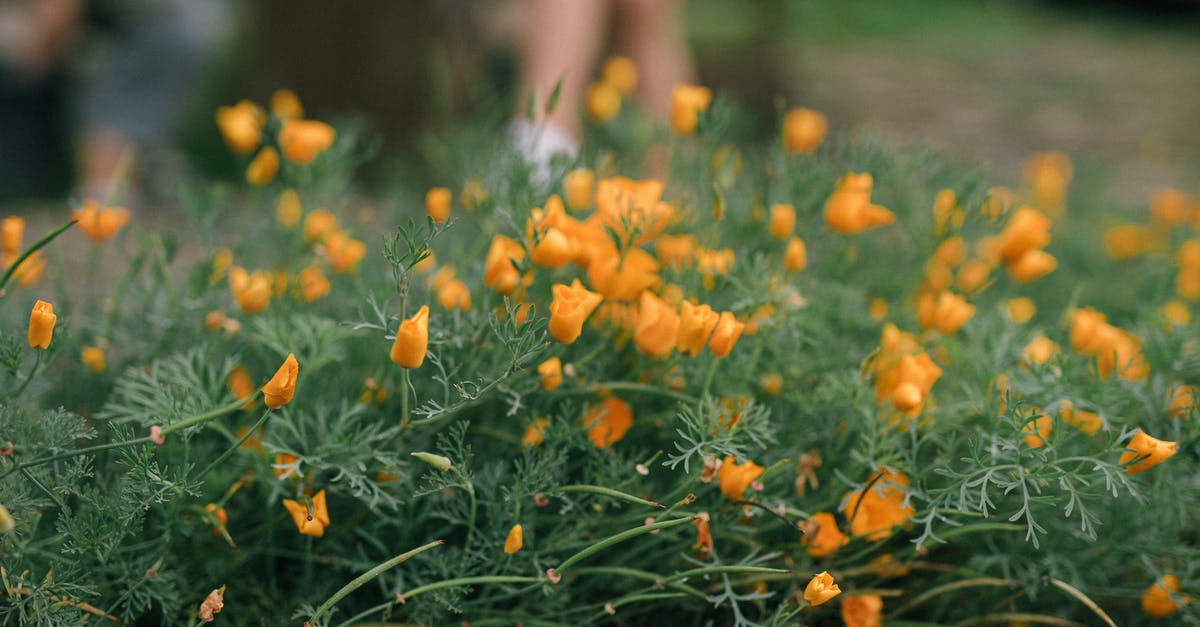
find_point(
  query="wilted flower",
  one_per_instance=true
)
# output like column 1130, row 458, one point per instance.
column 820, row 589
column 803, row 130
column 41, row 324
column 302, row 140
column 1147, row 450
column 310, row 522
column 704, row 540
column 212, row 605
column 734, row 478
column 280, row 389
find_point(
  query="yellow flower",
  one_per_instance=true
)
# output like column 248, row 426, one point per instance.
column 803, row 130
column 12, row 231
column 822, row 536
column 1149, row 451
column 302, row 140
column 735, row 478
column 570, row 309
column 280, row 389
column 263, row 168
column 252, row 292
column 41, row 324
column 578, row 188
column 551, row 372
column 725, row 335
column 412, row 340
column 241, row 126
column 437, row 203
column 454, row 295
column 820, row 589
column 862, row 610
column 93, row 358
column 286, row 104
column 1157, row 601
column 782, row 221
column 657, row 326
column 687, row 101
column 473, row 194
column 313, row 284
column 620, row 72
column 99, row 225
column 608, row 421
column 603, row 101
column 875, row 513
column 696, row 324
column 317, row 224
column 515, row 540
column 310, row 523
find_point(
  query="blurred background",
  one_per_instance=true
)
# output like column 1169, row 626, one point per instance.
column 1116, row 85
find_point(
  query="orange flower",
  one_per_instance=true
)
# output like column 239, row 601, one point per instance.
column 1087, row 422
column 570, row 309
column 795, row 257
column 1027, row 230
column 704, row 541
column 1031, row 266
column 782, row 221
column 623, row 204
column 1170, row 206
column 1039, row 350
column 309, row 522
column 621, row 72
column 657, row 326
column 951, row 313
column 41, row 324
column 820, row 589
column 687, row 101
column 286, row 104
column 263, row 168
column 12, row 231
column 822, row 536
column 535, row 432
column 302, row 140
column 725, row 334
column 241, row 126
column 1157, row 601
column 30, row 270
column 286, row 466
column 412, row 340
column 313, row 284
column 553, row 250
column 947, row 215
column 875, row 513
column 676, row 250
column 1148, row 451
column 862, row 610
column 342, row 251
column 770, row 383
column 515, row 540
column 317, row 224
column 1180, row 400
column 252, row 292
column 972, row 276
column 877, row 309
column 1175, row 314
column 1021, row 309
column 455, row 295
column 735, row 478
column 437, row 203
column 551, row 372
column 696, row 324
column 1037, row 431
column 849, row 211
column 280, row 389
column 218, row 514
column 100, row 224
column 603, row 101
column 1048, row 175
column 952, row 251
column 578, row 189
column 803, row 130
column 93, row 358
column 608, row 421
column 499, row 273
column 240, row 385
column 1126, row 241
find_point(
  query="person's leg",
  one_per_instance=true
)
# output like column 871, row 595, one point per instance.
column 651, row 33
column 562, row 40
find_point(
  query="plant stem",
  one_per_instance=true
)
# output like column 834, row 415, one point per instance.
column 362, row 579
column 1082, row 598
column 469, row 581
column 49, row 237
column 229, row 451
column 616, row 494
column 404, row 410
column 620, row 537
column 37, row 365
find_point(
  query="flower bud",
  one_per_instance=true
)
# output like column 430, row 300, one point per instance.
column 570, row 309
column 803, row 130
column 263, row 168
column 437, row 203
column 687, row 101
column 437, row 462
column 725, row 335
column 782, row 221
column 515, row 540
column 412, row 340
column 282, row 387
column 41, row 324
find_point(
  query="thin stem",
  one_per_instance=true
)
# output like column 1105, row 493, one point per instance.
column 49, row 237
column 37, row 365
column 603, row 491
column 43, row 488
column 708, row 379
column 468, row 581
column 404, row 409
column 620, row 537
column 1082, row 598
column 362, row 579
column 229, row 451
column 954, row 585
